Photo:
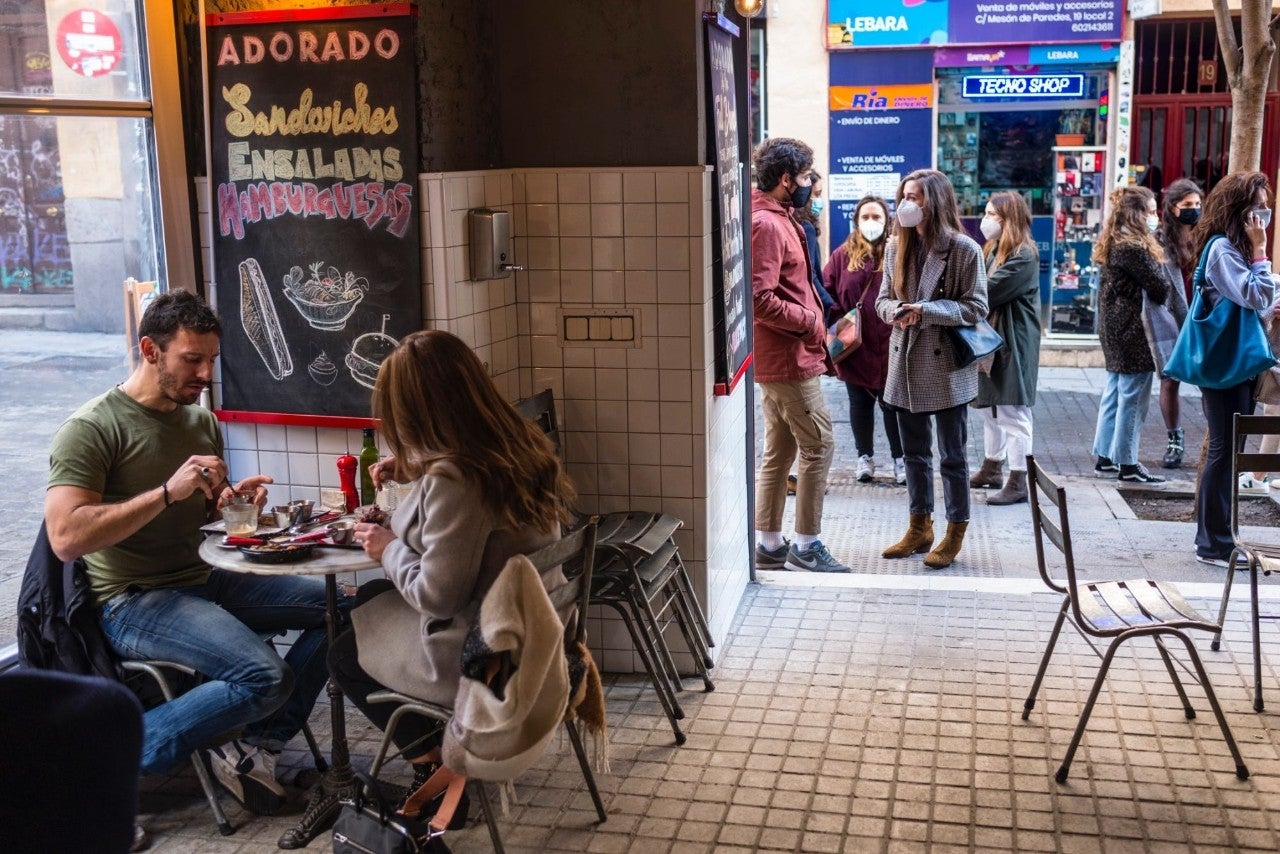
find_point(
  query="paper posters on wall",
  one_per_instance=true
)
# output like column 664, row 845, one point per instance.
column 881, row 128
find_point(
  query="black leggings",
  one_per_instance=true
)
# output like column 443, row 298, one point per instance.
column 862, row 409
column 344, row 667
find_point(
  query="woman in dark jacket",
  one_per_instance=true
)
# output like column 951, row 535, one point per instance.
column 1162, row 322
column 852, row 277
column 1007, row 393
column 1130, row 259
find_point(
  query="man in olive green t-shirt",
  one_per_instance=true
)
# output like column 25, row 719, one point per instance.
column 134, row 473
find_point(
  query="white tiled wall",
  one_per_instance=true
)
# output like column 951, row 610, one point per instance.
column 640, row 426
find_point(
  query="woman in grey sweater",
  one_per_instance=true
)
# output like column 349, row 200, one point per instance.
column 1235, row 268
column 486, row 485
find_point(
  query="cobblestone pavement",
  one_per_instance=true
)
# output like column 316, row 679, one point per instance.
column 879, row 711
column 879, row 720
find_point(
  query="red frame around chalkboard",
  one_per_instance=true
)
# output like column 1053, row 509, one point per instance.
column 337, row 421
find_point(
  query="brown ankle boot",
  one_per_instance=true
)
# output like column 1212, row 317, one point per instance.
column 917, row 539
column 947, row 550
column 987, row 475
column 1014, row 491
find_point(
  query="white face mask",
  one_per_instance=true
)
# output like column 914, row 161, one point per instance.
column 909, row 214
column 990, row 227
column 871, row 229
column 1153, row 223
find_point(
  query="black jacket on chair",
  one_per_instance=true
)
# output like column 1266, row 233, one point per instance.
column 58, row 626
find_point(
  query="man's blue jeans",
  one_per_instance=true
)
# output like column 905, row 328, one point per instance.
column 217, row 629
column 1121, row 412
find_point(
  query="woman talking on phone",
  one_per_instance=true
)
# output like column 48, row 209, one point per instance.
column 1236, row 268
column 934, row 277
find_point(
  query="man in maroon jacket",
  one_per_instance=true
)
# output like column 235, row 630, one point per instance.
column 790, row 357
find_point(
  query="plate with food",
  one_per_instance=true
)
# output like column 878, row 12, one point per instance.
column 277, row 552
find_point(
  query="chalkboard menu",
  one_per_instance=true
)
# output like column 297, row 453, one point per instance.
column 313, row 188
column 731, row 335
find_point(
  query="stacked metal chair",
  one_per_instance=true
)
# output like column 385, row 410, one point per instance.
column 640, row 575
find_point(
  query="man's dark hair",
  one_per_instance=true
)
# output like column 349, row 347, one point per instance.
column 174, row 310
column 778, row 156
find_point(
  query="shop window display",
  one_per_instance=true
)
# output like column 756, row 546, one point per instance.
column 1079, row 190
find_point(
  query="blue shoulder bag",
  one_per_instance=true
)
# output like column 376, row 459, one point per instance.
column 1219, row 346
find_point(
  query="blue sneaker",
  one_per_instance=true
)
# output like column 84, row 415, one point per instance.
column 815, row 558
column 772, row 558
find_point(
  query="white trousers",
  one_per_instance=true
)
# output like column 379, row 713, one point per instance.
column 1006, row 430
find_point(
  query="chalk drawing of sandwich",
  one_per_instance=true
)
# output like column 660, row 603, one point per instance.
column 260, row 322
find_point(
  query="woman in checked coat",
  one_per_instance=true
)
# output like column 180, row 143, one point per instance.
column 934, row 277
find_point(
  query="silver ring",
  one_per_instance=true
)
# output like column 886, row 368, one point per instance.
column 204, row 472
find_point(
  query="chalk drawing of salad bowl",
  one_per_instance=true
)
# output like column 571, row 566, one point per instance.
column 325, row 300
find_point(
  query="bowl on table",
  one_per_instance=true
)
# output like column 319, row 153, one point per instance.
column 342, row 532
column 277, row 552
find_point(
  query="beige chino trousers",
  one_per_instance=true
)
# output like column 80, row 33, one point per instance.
column 795, row 420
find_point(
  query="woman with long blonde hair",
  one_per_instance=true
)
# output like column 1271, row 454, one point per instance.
column 486, row 485
column 1129, row 257
column 934, row 277
column 1008, row 391
column 852, row 276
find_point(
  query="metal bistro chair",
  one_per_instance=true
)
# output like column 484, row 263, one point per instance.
column 575, row 552
column 1261, row 558
column 1114, row 611
column 642, row 576
column 160, row 672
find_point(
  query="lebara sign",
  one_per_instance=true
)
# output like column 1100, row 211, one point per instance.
column 979, row 86
column 912, row 23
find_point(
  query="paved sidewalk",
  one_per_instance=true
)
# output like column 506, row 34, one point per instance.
column 859, row 717
column 878, row 711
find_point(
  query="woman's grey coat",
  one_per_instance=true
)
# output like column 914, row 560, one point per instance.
column 1013, row 291
column 952, row 288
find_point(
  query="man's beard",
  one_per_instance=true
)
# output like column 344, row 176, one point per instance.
column 175, row 391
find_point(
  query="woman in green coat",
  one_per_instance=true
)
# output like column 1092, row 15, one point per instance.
column 1007, row 390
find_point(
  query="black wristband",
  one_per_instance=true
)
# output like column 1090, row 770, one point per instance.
column 164, row 487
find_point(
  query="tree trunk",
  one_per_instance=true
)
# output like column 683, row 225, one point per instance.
column 1248, row 65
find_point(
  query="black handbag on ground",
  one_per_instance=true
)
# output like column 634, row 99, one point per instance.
column 366, row 824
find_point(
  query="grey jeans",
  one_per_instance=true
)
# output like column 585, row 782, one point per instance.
column 917, row 446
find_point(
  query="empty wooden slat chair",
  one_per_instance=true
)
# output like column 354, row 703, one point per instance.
column 1259, row 558
column 1114, row 612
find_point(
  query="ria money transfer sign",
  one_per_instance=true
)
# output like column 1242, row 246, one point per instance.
column 916, row 23
column 313, row 165
column 881, row 129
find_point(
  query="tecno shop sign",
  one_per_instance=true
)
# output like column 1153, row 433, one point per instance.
column 980, row 86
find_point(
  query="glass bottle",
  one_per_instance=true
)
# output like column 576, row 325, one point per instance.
column 368, row 456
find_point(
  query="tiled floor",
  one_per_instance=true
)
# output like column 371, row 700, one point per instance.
column 882, row 719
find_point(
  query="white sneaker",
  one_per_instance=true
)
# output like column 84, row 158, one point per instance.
column 1250, row 485
column 899, row 470
column 249, row 774
column 866, row 469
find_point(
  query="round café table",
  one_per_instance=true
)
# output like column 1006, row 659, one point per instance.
column 338, row 782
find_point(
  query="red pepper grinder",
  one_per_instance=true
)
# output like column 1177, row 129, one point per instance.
column 347, row 478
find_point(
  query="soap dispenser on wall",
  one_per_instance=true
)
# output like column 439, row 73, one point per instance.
column 490, row 235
